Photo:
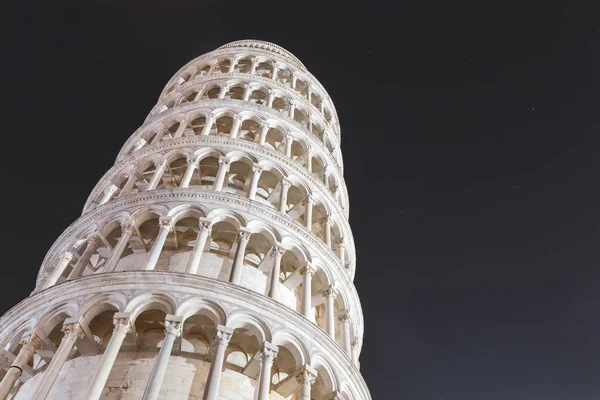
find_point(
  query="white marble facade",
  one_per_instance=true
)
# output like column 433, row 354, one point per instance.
column 214, row 260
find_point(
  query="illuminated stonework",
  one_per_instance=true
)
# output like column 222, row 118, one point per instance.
column 214, row 260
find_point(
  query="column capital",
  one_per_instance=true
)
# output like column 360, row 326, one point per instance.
column 278, row 250
column 344, row 316
column 122, row 321
column 285, row 182
column 192, row 162
column 127, row 228
column 224, row 160
column 223, row 335
column 257, row 168
column 268, row 352
column 330, row 292
column 173, row 325
column 340, row 243
column 73, row 330
column 329, row 221
column 254, row 60
column 166, row 222
column 308, row 269
column 67, row 256
column 95, row 240
column 310, row 199
column 31, row 340
column 307, row 374
column 243, row 235
column 111, row 188
column 204, row 223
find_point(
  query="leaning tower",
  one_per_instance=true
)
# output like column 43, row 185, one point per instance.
column 214, row 260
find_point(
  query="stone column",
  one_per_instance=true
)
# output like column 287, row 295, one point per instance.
column 189, row 173
column 266, row 356
column 179, row 132
column 73, row 332
column 306, row 378
column 235, row 128
column 309, row 94
column 310, row 124
column 247, row 92
column 160, row 168
column 210, row 120
column 328, row 227
column 139, row 144
column 218, row 347
column 308, row 213
column 278, row 253
column 166, row 224
column 122, row 327
column 342, row 252
column 345, row 321
column 330, row 296
column 231, row 65
column 262, row 138
column 238, row 262
column 275, row 71
column 221, row 174
column 62, row 263
column 307, row 272
column 270, row 99
column 131, row 179
column 203, row 232
column 126, row 231
column 326, row 173
column 354, row 346
column 256, row 171
column 30, row 343
column 292, row 110
column 173, row 325
column 108, row 193
column 309, row 160
column 254, row 65
column 93, row 243
column 289, row 141
column 285, row 186
column 223, row 91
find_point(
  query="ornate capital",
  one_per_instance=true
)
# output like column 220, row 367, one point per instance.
column 160, row 164
column 307, row 269
column 224, row 160
column 277, row 250
column 192, row 162
column 31, row 340
column 95, row 240
column 67, row 257
column 257, row 169
column 330, row 292
column 73, row 331
column 122, row 322
column 173, row 327
column 268, row 352
column 308, row 375
column 243, row 236
column 344, row 317
column 222, row 336
column 166, row 223
column 329, row 221
column 286, row 183
column 127, row 228
column 204, row 223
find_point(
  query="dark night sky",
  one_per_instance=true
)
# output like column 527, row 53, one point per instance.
column 470, row 133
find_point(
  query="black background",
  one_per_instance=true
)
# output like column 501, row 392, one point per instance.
column 470, row 134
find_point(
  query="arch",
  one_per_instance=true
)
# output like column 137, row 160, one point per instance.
column 195, row 306
column 149, row 301
column 100, row 303
column 252, row 324
column 55, row 316
column 294, row 345
column 327, row 378
column 187, row 210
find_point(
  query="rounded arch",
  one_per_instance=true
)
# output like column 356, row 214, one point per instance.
column 253, row 325
column 224, row 215
column 187, row 210
column 103, row 302
column 327, row 378
column 149, row 301
column 55, row 315
column 295, row 346
column 196, row 306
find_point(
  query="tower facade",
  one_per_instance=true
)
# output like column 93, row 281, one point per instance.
column 214, row 260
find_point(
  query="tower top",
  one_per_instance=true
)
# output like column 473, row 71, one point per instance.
column 261, row 44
